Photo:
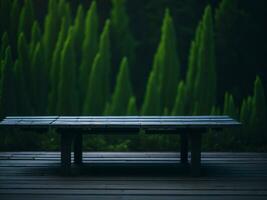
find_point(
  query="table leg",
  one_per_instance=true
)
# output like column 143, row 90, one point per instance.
column 66, row 141
column 195, row 139
column 78, row 143
column 184, row 148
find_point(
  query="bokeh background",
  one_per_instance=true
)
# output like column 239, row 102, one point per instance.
column 135, row 57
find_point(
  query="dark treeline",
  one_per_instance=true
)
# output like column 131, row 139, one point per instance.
column 119, row 57
column 242, row 41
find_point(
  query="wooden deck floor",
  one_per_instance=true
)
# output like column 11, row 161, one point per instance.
column 34, row 175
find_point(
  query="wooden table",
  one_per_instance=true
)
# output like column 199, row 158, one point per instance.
column 71, row 129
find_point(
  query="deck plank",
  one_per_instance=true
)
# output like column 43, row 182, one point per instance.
column 134, row 175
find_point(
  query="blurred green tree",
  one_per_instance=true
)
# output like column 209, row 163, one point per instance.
column 25, row 65
column 205, row 82
column 78, row 28
column 131, row 108
column 5, row 7
column 26, row 19
column 55, row 69
column 23, row 104
column 4, row 45
column 245, row 116
column 123, row 43
column 192, row 72
column 14, row 24
column 166, row 65
column 258, row 113
column 98, row 91
column 151, row 104
column 68, row 98
column 123, row 90
column 40, row 79
column 36, row 36
column 229, row 106
column 7, row 85
column 89, row 49
column 179, row 104
column 245, row 111
column 56, row 11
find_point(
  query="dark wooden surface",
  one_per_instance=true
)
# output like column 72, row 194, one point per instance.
column 154, row 122
column 34, row 175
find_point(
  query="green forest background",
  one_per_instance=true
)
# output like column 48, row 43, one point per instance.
column 118, row 57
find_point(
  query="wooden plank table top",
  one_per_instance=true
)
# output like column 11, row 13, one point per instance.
column 119, row 121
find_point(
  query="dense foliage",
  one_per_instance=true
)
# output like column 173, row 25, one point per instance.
column 80, row 64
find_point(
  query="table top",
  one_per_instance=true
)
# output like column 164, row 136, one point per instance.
column 210, row 121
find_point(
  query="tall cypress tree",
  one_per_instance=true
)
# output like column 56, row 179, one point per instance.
column 5, row 7
column 55, row 68
column 229, row 23
column 245, row 116
column 179, row 105
column 131, row 108
column 225, row 8
column 26, row 19
column 40, row 80
column 79, row 34
column 56, row 11
column 67, row 103
column 13, row 25
column 89, row 49
column 4, row 45
column 98, row 91
column 122, row 40
column 167, row 62
column 151, row 103
column 25, row 64
column 258, row 103
column 23, row 54
column 7, row 86
column 78, row 42
column 66, row 10
column 94, row 101
column 123, row 90
column 245, row 111
column 51, row 28
column 192, row 72
column 205, row 85
column 230, row 137
column 215, row 110
column 23, row 104
column 35, row 37
column 258, row 113
column 229, row 106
